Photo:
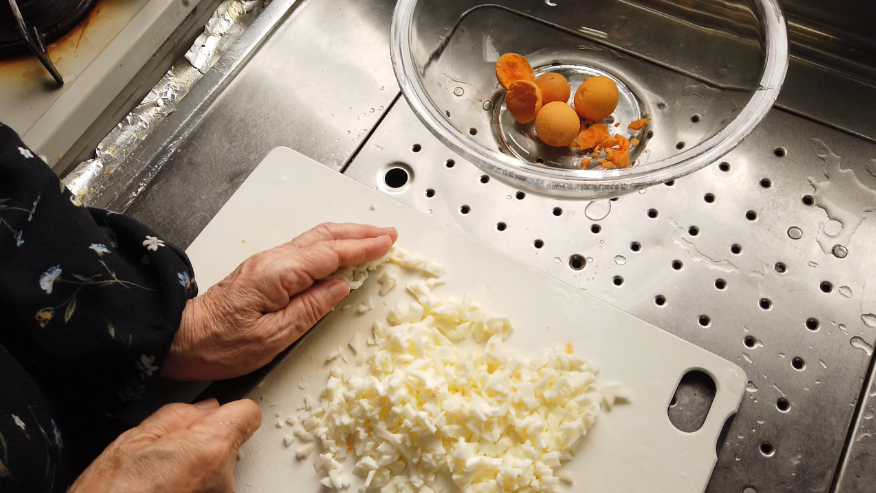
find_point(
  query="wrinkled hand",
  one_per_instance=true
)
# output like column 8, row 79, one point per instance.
column 269, row 301
column 182, row 448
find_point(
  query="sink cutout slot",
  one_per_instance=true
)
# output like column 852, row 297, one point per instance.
column 692, row 401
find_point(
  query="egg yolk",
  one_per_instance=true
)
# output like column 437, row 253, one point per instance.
column 524, row 100
column 638, row 124
column 512, row 67
column 557, row 124
column 591, row 137
column 596, row 98
column 554, row 87
column 620, row 157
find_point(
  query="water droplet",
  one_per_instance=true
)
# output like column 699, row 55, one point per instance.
column 722, row 72
column 869, row 320
column 782, row 355
column 868, row 414
column 823, row 364
column 348, row 132
column 642, row 191
column 549, row 3
column 812, row 264
column 751, row 387
column 738, row 458
column 842, row 327
column 796, row 458
column 381, row 88
column 458, row 91
column 429, row 211
column 760, row 421
column 832, row 228
column 590, row 259
column 840, row 251
column 859, row 343
column 740, row 436
column 845, row 291
column 620, row 260
column 597, row 209
column 746, row 357
column 488, row 105
column 557, row 260
column 795, row 233
column 508, row 197
column 371, row 110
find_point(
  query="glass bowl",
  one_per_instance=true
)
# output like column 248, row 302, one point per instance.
column 704, row 71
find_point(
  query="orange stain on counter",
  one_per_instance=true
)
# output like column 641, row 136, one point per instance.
column 569, row 348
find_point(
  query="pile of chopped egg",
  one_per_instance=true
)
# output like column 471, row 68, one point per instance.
column 496, row 420
column 557, row 124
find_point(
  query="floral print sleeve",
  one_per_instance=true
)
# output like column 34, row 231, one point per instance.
column 90, row 301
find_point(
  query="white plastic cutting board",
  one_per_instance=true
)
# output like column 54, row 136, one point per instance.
column 633, row 448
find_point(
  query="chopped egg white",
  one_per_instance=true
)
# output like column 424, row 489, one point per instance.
column 495, row 420
column 355, row 276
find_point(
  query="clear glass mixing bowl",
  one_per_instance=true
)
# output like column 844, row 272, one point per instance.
column 704, row 71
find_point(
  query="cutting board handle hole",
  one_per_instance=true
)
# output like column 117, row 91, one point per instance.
column 692, row 401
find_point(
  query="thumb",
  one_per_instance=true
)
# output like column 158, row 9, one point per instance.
column 173, row 417
column 232, row 423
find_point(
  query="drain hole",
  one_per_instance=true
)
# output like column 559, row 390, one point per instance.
column 670, row 183
column 692, row 400
column 501, row 226
column 449, row 163
column 577, row 262
column 558, row 211
column 538, row 244
column 650, row 134
column 473, row 131
column 765, row 304
column 783, row 405
column 709, row 198
column 798, row 363
column 808, row 200
column 735, row 249
column 826, row 287
column 595, row 229
column 677, row 265
column 693, row 230
column 679, row 145
column 767, row 449
column 705, row 321
column 652, row 213
column 417, row 148
column 446, row 112
column 618, row 280
column 396, row 178
column 766, row 183
column 659, row 300
column 465, row 209
column 695, row 118
column 721, row 284
column 781, row 268
column 749, row 341
column 539, row 160
column 520, row 195
column 751, row 215
column 485, row 179
column 779, row 152
column 430, row 193
column 613, row 199
column 812, row 323
column 724, row 166
column 635, row 246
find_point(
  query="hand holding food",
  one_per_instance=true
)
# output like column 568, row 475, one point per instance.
column 269, row 301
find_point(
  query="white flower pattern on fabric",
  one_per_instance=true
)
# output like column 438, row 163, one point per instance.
column 58, row 440
column 99, row 248
column 152, row 243
column 18, row 240
column 47, row 280
column 19, row 423
column 25, row 152
column 145, row 366
column 75, row 200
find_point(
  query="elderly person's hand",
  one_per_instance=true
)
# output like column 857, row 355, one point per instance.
column 269, row 301
column 182, row 448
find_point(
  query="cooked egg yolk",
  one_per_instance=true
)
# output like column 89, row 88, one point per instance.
column 596, row 98
column 512, row 67
column 638, row 124
column 554, row 87
column 557, row 124
column 523, row 100
column 590, row 138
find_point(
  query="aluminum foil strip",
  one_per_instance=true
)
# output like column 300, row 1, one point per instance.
column 230, row 20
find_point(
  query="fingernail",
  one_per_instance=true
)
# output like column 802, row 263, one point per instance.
column 207, row 405
column 337, row 291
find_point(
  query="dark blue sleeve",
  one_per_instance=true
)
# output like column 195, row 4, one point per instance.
column 90, row 301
